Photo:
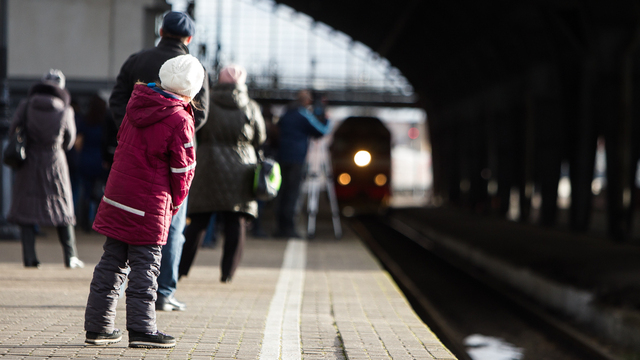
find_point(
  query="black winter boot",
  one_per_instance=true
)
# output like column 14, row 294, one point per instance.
column 28, row 238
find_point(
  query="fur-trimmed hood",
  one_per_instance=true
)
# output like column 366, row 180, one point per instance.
column 52, row 90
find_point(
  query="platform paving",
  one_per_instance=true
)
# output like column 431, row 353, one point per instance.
column 290, row 299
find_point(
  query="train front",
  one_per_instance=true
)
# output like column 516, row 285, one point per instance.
column 361, row 163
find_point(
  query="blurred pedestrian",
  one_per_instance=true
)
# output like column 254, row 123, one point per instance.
column 92, row 173
column 210, row 236
column 177, row 32
column 42, row 192
column 150, row 178
column 109, row 141
column 295, row 127
column 227, row 161
column 73, row 158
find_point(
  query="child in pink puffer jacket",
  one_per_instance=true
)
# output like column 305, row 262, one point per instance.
column 153, row 167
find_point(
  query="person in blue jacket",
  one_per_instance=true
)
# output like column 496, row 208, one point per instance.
column 295, row 128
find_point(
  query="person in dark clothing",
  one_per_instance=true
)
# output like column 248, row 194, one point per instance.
column 176, row 32
column 73, row 159
column 295, row 127
column 92, row 173
column 226, row 165
column 41, row 192
column 109, row 141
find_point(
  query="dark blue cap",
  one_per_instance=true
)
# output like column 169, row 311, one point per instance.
column 178, row 23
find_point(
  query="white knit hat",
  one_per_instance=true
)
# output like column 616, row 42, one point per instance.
column 182, row 75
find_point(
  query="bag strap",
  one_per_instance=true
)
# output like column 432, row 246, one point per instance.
column 260, row 156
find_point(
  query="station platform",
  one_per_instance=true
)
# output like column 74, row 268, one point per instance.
column 588, row 278
column 290, row 299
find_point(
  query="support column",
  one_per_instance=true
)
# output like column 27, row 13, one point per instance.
column 549, row 156
column 528, row 150
column 7, row 231
column 584, row 153
column 615, row 117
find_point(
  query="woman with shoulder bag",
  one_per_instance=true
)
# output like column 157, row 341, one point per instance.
column 226, row 166
column 42, row 187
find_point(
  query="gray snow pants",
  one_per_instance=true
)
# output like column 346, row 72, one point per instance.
column 109, row 275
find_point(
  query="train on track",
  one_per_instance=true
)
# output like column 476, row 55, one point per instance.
column 361, row 164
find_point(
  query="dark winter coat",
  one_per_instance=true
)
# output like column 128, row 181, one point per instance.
column 226, row 153
column 144, row 66
column 152, row 169
column 42, row 189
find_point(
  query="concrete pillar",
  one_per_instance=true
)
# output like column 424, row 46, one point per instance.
column 614, row 116
column 549, row 136
column 528, row 151
column 582, row 157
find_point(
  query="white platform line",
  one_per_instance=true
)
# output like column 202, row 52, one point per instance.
column 282, row 330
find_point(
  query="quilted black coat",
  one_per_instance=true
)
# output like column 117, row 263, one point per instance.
column 226, row 153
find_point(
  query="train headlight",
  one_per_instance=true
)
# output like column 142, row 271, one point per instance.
column 362, row 158
column 380, row 179
column 344, row 179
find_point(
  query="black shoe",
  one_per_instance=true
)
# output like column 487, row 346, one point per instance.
column 225, row 279
column 103, row 338
column 169, row 303
column 32, row 264
column 157, row 340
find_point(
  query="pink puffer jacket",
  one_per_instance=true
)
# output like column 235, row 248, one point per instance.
column 152, row 169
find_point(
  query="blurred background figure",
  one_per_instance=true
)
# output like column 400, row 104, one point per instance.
column 42, row 192
column 91, row 171
column 210, row 235
column 295, row 127
column 109, row 140
column 227, row 160
column 73, row 158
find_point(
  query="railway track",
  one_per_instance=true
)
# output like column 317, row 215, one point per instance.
column 468, row 310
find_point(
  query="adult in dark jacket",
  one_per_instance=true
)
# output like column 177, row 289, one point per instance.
column 226, row 164
column 176, row 32
column 42, row 188
column 295, row 127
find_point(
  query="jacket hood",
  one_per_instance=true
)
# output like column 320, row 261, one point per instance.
column 234, row 96
column 47, row 89
column 147, row 107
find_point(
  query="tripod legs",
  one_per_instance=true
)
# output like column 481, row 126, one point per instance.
column 312, row 204
column 335, row 212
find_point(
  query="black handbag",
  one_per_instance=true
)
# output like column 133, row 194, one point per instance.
column 267, row 180
column 15, row 153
